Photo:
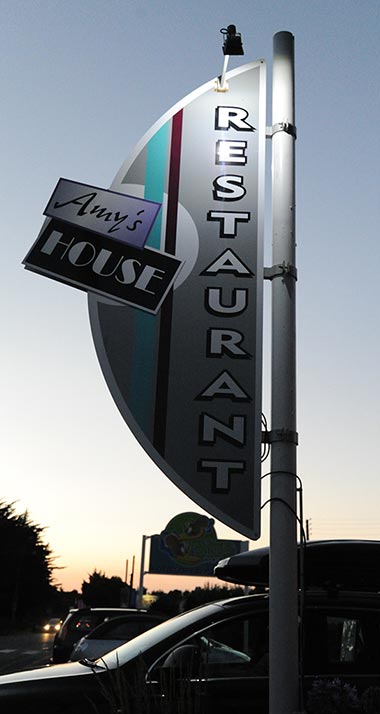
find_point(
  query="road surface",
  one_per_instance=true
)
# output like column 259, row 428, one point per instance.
column 26, row 650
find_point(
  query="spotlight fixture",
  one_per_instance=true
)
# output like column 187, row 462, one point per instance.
column 232, row 45
column 232, row 41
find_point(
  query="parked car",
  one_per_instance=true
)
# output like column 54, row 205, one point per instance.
column 80, row 622
column 112, row 634
column 217, row 655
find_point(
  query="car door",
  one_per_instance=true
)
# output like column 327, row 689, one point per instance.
column 221, row 669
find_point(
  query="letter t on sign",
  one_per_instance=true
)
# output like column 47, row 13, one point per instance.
column 221, row 473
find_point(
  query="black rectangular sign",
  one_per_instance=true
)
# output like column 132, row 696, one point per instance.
column 102, row 265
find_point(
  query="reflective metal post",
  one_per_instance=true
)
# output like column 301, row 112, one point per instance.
column 283, row 613
column 142, row 573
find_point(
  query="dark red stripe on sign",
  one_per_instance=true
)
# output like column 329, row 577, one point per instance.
column 167, row 308
column 173, row 188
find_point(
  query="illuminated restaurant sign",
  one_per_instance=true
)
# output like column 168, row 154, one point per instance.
column 188, row 379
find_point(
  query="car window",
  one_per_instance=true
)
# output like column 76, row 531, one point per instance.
column 158, row 634
column 344, row 638
column 237, row 647
column 82, row 624
column 121, row 631
column 342, row 643
column 86, row 621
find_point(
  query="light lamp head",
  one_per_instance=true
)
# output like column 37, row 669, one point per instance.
column 232, row 41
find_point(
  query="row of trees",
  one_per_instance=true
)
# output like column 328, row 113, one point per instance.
column 176, row 601
column 27, row 591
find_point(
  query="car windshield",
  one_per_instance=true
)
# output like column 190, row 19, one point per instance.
column 157, row 634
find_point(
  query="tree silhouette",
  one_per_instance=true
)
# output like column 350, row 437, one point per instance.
column 101, row 591
column 167, row 603
column 26, row 567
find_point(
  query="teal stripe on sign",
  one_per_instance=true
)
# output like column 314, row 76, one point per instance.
column 145, row 340
column 155, row 178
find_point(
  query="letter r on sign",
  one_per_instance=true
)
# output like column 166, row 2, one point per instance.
column 235, row 117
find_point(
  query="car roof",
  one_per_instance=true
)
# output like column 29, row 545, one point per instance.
column 343, row 564
column 105, row 609
column 83, row 611
column 108, row 624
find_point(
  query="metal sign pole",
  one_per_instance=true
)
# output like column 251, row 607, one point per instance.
column 283, row 613
column 142, row 573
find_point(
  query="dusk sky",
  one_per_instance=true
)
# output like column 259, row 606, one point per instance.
column 81, row 82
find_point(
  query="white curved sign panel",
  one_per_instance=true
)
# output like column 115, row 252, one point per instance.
column 188, row 379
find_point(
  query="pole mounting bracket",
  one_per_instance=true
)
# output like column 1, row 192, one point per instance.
column 280, row 270
column 287, row 435
column 285, row 126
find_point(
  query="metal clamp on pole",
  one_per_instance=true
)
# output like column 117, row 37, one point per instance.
column 280, row 270
column 268, row 437
column 285, row 126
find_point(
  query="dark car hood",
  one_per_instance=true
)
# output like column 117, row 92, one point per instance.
column 71, row 669
column 347, row 564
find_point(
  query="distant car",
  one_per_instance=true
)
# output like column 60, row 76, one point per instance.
column 113, row 633
column 52, row 625
column 80, row 622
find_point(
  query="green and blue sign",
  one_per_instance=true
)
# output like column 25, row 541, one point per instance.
column 189, row 546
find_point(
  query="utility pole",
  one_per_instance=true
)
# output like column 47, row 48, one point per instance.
column 142, row 572
column 283, row 581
